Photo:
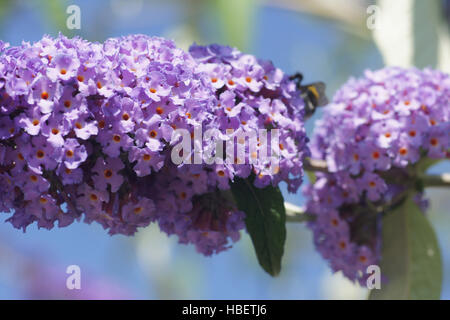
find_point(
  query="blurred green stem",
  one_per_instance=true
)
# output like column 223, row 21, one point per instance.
column 297, row 214
column 442, row 180
column 436, row 180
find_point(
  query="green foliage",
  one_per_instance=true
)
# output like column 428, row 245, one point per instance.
column 55, row 12
column 5, row 6
column 236, row 17
column 411, row 261
column 265, row 221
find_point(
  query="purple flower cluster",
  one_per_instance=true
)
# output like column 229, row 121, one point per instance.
column 249, row 95
column 87, row 129
column 252, row 94
column 373, row 137
column 81, row 123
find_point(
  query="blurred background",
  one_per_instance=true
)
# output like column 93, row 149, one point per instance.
column 327, row 40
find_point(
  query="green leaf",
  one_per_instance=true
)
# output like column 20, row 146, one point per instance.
column 411, row 260
column 265, row 221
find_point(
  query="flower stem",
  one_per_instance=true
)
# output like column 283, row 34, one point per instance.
column 436, row 180
column 442, row 180
column 297, row 214
column 315, row 165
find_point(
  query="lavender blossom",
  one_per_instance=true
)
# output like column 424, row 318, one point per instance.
column 377, row 131
column 252, row 94
column 86, row 132
column 77, row 123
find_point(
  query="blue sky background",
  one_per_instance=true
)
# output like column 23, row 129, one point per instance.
column 151, row 265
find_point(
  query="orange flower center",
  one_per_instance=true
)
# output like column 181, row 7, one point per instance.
column 434, row 142
column 107, row 173
column 153, row 134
